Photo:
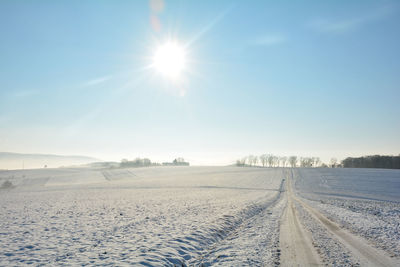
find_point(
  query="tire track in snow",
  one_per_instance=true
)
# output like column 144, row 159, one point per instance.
column 197, row 247
column 296, row 242
column 368, row 255
column 359, row 247
column 205, row 247
column 254, row 242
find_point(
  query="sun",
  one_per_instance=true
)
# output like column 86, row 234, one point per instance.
column 169, row 60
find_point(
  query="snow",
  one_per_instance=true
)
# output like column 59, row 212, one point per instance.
column 364, row 201
column 147, row 216
column 332, row 252
column 215, row 216
column 372, row 184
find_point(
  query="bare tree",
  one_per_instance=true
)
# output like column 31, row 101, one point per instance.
column 283, row 160
column 241, row 162
column 250, row 160
column 270, row 160
column 255, row 160
column 317, row 162
column 276, row 161
column 302, row 162
column 293, row 161
column 263, row 159
column 333, row 162
column 306, row 162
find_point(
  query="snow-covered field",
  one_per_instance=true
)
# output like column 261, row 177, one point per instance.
column 366, row 184
column 364, row 201
column 161, row 216
column 149, row 216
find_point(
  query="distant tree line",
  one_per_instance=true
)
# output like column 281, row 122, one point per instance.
column 138, row 162
column 375, row 161
column 269, row 160
column 176, row 162
column 145, row 162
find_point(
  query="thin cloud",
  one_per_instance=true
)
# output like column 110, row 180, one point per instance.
column 350, row 24
column 268, row 40
column 96, row 81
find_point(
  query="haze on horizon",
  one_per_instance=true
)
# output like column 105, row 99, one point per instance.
column 204, row 80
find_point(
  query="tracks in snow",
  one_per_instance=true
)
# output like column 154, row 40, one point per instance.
column 270, row 233
column 297, row 245
column 253, row 241
column 366, row 254
column 295, row 241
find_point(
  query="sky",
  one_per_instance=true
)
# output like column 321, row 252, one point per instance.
column 306, row 78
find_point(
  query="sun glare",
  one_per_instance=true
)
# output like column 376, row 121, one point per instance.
column 169, row 60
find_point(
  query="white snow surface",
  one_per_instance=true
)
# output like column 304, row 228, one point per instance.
column 365, row 201
column 331, row 251
column 165, row 216
column 144, row 216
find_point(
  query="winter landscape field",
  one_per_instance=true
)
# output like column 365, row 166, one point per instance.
column 199, row 133
column 210, row 216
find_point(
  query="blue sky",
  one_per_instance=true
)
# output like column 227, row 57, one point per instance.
column 316, row 78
